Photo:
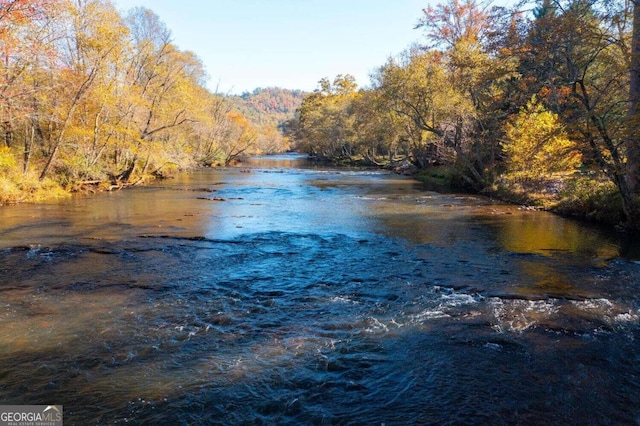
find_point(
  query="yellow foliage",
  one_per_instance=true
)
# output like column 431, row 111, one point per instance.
column 537, row 145
column 7, row 160
column 9, row 191
column 16, row 187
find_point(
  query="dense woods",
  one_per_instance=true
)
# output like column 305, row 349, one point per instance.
column 531, row 104
column 92, row 98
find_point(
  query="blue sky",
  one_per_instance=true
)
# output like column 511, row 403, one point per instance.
column 292, row 44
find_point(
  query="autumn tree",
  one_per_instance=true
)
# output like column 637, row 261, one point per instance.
column 537, row 145
column 415, row 88
column 26, row 44
column 326, row 119
column 468, row 35
column 209, row 129
column 378, row 130
column 163, row 80
column 585, row 51
column 463, row 98
column 90, row 41
column 24, row 37
column 238, row 137
column 90, row 71
column 268, row 109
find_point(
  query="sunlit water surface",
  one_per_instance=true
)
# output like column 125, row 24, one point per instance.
column 286, row 294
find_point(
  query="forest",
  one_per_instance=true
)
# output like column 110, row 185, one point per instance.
column 535, row 105
column 94, row 100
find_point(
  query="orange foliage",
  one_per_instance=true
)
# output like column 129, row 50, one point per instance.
column 455, row 21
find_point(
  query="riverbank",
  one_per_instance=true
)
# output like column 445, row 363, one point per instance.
column 581, row 196
column 29, row 189
column 585, row 197
column 17, row 187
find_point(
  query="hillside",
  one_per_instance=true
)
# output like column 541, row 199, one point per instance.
column 268, row 107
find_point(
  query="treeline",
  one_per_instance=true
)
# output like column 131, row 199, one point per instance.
column 91, row 97
column 532, row 104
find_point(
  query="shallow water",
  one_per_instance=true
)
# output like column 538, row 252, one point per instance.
column 287, row 294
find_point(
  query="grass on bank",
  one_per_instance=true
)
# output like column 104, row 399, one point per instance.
column 439, row 177
column 17, row 186
column 591, row 198
column 585, row 196
column 27, row 188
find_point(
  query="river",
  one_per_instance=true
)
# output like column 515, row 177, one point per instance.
column 289, row 294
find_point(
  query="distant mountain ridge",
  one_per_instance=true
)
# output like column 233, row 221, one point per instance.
column 269, row 106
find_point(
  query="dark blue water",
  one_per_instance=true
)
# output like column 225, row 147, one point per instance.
column 284, row 294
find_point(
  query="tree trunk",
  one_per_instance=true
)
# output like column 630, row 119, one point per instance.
column 8, row 133
column 144, row 170
column 633, row 142
column 633, row 145
column 28, row 145
column 49, row 162
column 126, row 175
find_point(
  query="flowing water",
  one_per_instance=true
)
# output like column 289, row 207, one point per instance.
column 285, row 294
